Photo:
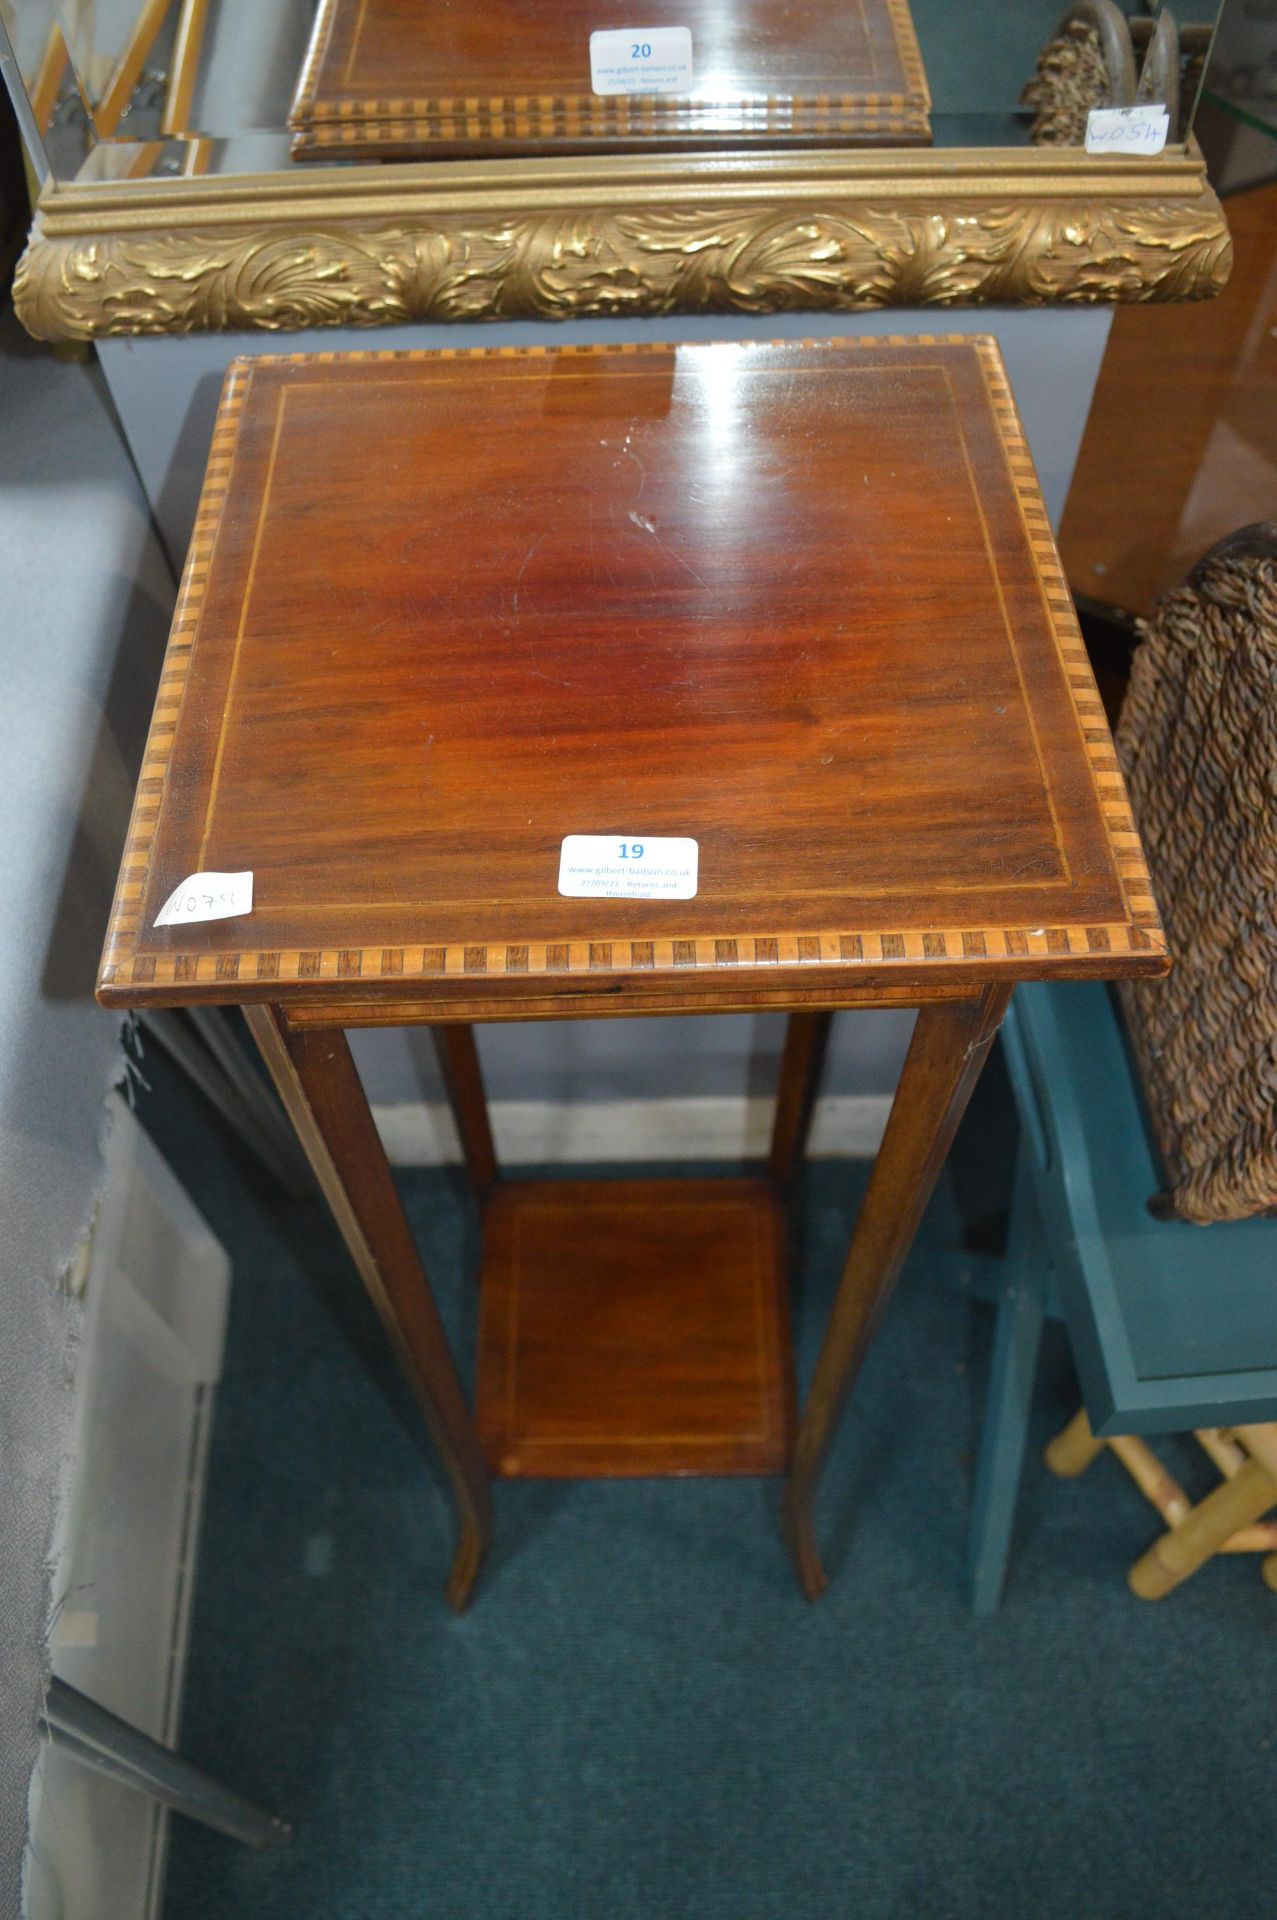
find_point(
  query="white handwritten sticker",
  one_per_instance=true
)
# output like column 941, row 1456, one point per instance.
column 641, row 60
column 608, row 866
column 1127, row 129
column 207, row 896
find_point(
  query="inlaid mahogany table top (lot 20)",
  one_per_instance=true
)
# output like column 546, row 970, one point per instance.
column 399, row 79
column 798, row 602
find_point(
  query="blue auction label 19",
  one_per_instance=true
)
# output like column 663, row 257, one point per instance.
column 620, row 866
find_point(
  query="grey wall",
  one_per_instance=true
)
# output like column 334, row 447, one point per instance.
column 85, row 604
column 166, row 391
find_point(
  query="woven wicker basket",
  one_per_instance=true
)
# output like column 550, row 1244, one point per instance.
column 1100, row 57
column 1072, row 76
column 1198, row 745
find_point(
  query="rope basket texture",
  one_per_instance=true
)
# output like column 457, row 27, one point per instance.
column 1198, row 744
column 1070, row 79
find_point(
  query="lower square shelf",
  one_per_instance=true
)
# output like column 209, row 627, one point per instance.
column 634, row 1328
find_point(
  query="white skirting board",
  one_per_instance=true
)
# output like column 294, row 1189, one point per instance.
column 546, row 1133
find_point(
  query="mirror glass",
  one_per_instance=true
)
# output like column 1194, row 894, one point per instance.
column 146, row 88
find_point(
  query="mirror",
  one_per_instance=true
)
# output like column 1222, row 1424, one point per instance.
column 131, row 89
column 238, row 164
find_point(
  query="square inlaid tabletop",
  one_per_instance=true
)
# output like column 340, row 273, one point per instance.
column 796, row 602
column 400, row 78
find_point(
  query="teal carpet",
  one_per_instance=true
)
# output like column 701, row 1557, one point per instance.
column 640, row 1717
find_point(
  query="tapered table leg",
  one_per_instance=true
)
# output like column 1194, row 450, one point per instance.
column 463, row 1082
column 950, row 1043
column 806, row 1038
column 325, row 1101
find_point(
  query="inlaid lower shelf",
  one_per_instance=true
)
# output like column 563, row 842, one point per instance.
column 632, row 1328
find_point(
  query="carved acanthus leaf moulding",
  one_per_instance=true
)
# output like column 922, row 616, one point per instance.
column 909, row 250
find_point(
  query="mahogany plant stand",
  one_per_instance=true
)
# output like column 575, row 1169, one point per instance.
column 797, row 603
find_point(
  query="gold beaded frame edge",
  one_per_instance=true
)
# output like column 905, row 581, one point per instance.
column 829, row 230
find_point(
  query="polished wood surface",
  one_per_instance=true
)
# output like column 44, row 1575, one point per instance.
column 458, row 1058
column 949, row 1047
column 806, row 1043
column 634, row 1328
column 448, row 998
column 396, row 79
column 798, row 601
column 319, row 1086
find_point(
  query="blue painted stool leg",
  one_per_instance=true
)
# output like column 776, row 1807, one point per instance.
column 1017, row 1340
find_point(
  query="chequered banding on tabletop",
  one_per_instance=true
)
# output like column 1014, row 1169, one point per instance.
column 912, row 949
column 909, row 949
column 355, row 121
column 321, row 34
column 153, row 777
column 1110, row 788
column 614, row 117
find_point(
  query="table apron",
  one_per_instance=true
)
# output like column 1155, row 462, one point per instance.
column 467, row 1006
column 471, row 998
